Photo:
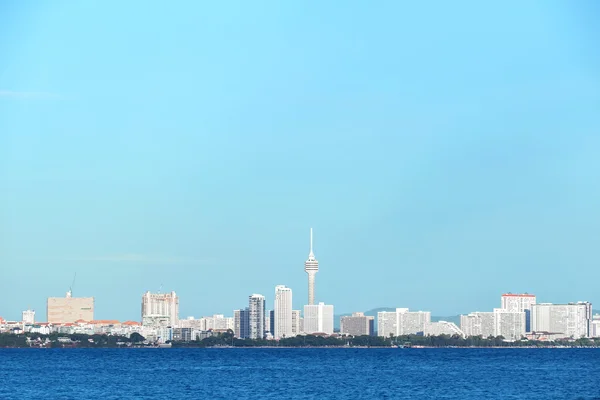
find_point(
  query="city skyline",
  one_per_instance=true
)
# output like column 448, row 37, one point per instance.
column 166, row 305
column 519, row 317
column 440, row 160
column 165, row 166
column 509, row 302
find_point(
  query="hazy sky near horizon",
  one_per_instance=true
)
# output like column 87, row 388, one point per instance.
column 443, row 152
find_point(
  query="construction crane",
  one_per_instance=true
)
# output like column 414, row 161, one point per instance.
column 70, row 292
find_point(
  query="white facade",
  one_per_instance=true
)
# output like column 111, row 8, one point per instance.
column 256, row 316
column 28, row 317
column 41, row 329
column 443, row 328
column 296, row 323
column 519, row 303
column 190, row 322
column 595, row 328
column 156, row 320
column 218, row 322
column 164, row 334
column 156, row 306
column 241, row 324
column 318, row 318
column 509, row 324
column 402, row 322
column 311, row 266
column 268, row 323
column 572, row 320
column 283, row 312
column 478, row 324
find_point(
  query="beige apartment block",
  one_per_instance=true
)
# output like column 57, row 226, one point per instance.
column 68, row 309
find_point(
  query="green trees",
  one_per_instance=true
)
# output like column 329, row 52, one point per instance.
column 11, row 340
column 136, row 338
column 227, row 339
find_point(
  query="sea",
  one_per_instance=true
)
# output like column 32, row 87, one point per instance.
column 300, row 373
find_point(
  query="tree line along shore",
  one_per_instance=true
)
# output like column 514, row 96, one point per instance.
column 55, row 340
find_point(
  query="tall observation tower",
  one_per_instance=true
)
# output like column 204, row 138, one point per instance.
column 311, row 266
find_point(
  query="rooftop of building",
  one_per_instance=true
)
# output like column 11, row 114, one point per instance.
column 579, row 303
column 105, row 322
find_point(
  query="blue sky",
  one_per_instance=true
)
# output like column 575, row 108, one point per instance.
column 443, row 152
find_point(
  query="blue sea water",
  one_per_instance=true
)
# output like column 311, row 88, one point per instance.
column 300, row 374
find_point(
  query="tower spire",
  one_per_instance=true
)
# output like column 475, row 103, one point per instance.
column 311, row 254
column 311, row 266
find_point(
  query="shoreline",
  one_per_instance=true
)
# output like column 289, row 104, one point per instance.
column 305, row 347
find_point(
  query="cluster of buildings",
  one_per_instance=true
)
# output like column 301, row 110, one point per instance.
column 519, row 316
column 255, row 322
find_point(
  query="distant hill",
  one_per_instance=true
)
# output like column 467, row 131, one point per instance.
column 373, row 312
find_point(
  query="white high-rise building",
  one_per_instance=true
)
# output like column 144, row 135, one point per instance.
column 311, row 266
column 595, row 327
column 160, row 308
column 296, row 323
column 571, row 320
column 402, row 322
column 509, row 324
column 519, row 303
column 241, row 324
column 318, row 318
column 28, row 317
column 478, row 324
column 256, row 316
column 283, row 312
column 500, row 322
column 268, row 323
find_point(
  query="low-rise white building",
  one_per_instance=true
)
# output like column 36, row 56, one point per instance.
column 216, row 322
column 41, row 329
column 28, row 317
column 443, row 328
